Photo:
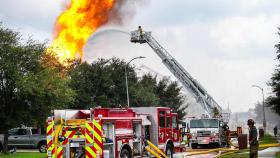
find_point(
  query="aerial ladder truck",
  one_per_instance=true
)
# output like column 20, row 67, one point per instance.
column 199, row 128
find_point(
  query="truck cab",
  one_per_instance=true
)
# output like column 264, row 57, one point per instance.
column 205, row 131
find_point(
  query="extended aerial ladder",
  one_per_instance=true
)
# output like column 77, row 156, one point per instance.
column 192, row 85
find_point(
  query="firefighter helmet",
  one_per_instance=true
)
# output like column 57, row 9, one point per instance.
column 250, row 122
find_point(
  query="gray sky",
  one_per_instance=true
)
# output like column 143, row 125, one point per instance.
column 226, row 45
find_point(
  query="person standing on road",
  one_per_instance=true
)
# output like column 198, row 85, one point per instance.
column 253, row 139
column 275, row 131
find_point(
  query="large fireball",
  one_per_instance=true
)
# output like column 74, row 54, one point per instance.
column 76, row 24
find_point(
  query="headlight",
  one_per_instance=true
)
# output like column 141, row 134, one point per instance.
column 214, row 133
column 194, row 134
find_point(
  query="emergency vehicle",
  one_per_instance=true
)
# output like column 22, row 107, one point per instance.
column 205, row 131
column 112, row 132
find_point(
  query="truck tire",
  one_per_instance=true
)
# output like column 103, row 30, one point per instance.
column 217, row 145
column 125, row 153
column 1, row 147
column 169, row 151
column 42, row 147
column 194, row 146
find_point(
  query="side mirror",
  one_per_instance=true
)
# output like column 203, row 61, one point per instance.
column 10, row 133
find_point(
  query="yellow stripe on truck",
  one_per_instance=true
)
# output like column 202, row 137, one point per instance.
column 97, row 125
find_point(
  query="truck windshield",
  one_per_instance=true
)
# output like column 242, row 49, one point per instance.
column 204, row 123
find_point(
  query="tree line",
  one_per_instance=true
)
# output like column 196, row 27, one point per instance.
column 273, row 101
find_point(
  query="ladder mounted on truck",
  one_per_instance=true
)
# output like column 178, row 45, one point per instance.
column 191, row 84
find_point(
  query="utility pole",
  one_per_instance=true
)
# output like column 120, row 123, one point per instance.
column 264, row 120
column 126, row 82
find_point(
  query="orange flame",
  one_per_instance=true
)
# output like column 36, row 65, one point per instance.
column 75, row 25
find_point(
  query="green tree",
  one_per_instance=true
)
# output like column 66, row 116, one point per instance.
column 169, row 93
column 274, row 101
column 29, row 90
column 144, row 92
column 93, row 84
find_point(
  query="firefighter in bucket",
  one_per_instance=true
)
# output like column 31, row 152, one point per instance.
column 253, row 139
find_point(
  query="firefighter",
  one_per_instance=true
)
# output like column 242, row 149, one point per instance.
column 188, row 136
column 261, row 133
column 253, row 139
column 275, row 131
column 226, row 134
column 140, row 31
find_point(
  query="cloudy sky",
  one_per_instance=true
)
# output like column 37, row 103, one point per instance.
column 226, row 45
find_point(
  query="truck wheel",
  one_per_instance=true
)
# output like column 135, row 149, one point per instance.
column 218, row 145
column 169, row 151
column 1, row 147
column 125, row 153
column 42, row 147
column 194, row 146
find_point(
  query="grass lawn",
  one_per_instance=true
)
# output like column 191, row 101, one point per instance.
column 278, row 155
column 235, row 155
column 25, row 155
column 268, row 139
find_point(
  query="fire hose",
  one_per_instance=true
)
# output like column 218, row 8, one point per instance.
column 159, row 152
column 217, row 155
column 210, row 151
column 195, row 152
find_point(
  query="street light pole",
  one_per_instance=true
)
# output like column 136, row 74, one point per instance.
column 126, row 82
column 264, row 120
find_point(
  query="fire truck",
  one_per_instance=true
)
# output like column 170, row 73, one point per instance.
column 112, row 132
column 206, row 131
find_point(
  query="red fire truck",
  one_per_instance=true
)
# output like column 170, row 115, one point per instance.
column 112, row 132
